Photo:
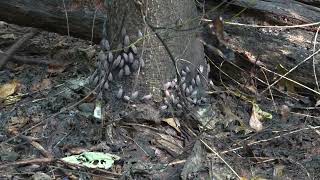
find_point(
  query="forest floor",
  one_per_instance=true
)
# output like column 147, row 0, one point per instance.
column 45, row 115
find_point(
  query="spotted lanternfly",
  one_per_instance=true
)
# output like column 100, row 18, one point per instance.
column 125, row 57
column 101, row 55
column 110, row 57
column 163, row 107
column 135, row 65
column 174, row 100
column 183, row 73
column 190, row 88
column 130, row 57
column 165, row 101
column 198, row 80
column 126, row 98
column 91, row 79
column 120, row 74
column 201, row 68
column 127, row 70
column 110, row 77
column 106, row 85
column 167, row 85
column 194, row 101
column 194, row 93
column 134, row 49
column 167, row 93
column 116, row 62
column 187, row 92
column 142, row 64
column 119, row 47
column 106, row 65
column 103, row 72
column 126, row 41
column 95, row 81
column 105, row 45
column 190, row 99
column 121, row 63
column 146, row 97
column 187, row 69
column 134, row 95
column 120, row 93
column 183, row 78
column 140, row 35
column 123, row 32
column 193, row 82
column 184, row 86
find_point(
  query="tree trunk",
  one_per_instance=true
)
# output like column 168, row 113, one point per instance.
column 181, row 42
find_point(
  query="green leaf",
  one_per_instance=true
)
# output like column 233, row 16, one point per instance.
column 92, row 159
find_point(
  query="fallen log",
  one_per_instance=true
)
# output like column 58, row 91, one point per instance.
column 50, row 16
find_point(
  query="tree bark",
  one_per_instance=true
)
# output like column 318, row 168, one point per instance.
column 162, row 16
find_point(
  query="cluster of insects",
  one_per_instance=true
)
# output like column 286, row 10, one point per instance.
column 189, row 92
column 113, row 65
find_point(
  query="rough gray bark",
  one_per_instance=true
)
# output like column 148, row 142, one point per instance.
column 182, row 43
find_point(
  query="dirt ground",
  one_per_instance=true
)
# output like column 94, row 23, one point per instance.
column 50, row 116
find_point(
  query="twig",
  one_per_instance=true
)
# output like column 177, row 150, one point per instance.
column 313, row 59
column 217, row 154
column 16, row 46
column 26, row 60
column 24, row 162
column 37, row 145
column 66, row 13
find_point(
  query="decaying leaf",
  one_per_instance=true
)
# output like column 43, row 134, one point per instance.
column 256, row 116
column 173, row 123
column 9, row 89
column 92, row 159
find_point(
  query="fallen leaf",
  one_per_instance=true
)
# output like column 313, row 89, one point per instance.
column 256, row 116
column 9, row 89
column 172, row 122
column 92, row 159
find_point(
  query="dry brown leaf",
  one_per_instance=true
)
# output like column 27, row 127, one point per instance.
column 173, row 123
column 9, row 88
